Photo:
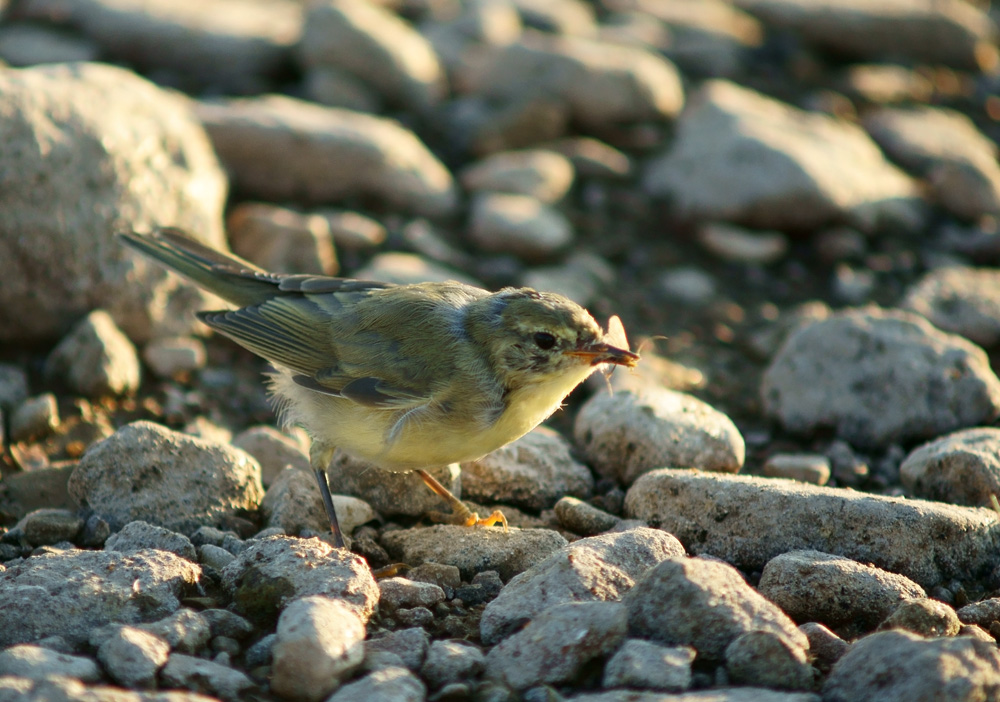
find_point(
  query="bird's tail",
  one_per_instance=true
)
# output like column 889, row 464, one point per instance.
column 230, row 277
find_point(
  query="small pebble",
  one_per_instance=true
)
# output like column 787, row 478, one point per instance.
column 804, row 467
column 35, row 418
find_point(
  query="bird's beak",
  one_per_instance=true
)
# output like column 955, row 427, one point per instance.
column 605, row 353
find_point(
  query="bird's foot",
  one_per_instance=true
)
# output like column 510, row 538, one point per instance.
column 460, row 514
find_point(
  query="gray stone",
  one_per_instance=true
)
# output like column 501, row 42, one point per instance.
column 704, row 604
column 877, row 377
column 389, row 493
column 629, row 433
column 281, row 240
column 960, row 299
column 804, row 467
column 37, row 663
column 353, row 231
column 645, row 665
column 274, row 571
column 739, row 245
column 214, row 556
column 279, row 148
column 35, row 418
column 825, row 647
column 600, row 568
column 983, row 613
column 410, row 645
column 473, row 550
column 273, row 450
column 744, row 158
column 335, row 87
column 897, row 666
column 925, row 617
column 293, row 503
column 732, row 694
column 96, row 358
column 112, row 123
column 185, row 630
column 952, row 33
column 147, row 472
column 171, row 356
column 70, row 593
column 765, row 659
column 50, row 526
column 747, row 521
column 199, row 675
column 576, row 72
column 24, row 44
column 556, row 645
column 138, row 535
column 530, row 473
column 849, row 597
column 451, row 662
column 378, row 48
column 13, row 386
column 544, row 175
column 319, row 644
column 387, row 685
column 444, row 576
column 132, row 657
column 961, row 468
column 396, row 593
column 222, row 622
column 945, row 148
column 583, row 518
column 519, row 225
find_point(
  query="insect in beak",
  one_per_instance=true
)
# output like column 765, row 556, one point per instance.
column 613, row 349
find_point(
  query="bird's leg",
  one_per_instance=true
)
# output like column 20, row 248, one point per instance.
column 320, row 455
column 460, row 514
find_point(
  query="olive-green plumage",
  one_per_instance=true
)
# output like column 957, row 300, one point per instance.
column 407, row 376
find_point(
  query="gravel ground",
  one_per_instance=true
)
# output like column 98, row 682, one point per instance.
column 793, row 206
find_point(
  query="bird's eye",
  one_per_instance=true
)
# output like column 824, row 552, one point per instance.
column 544, row 340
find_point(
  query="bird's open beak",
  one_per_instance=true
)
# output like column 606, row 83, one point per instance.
column 605, row 353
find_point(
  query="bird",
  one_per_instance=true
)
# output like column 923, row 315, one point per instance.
column 404, row 377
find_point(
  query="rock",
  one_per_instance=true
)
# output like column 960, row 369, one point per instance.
column 896, row 665
column 132, row 657
column 688, row 285
column 113, row 123
column 277, row 570
column 281, row 240
column 825, row 647
column 577, row 73
column 222, row 622
column 556, row 645
column 961, row 300
column 877, row 377
column 239, row 53
column 199, row 675
column 353, row 231
column 171, row 356
column 410, row 645
column 13, row 386
column 961, row 468
column 395, row 593
column 451, row 662
column 35, row 418
column 804, row 467
column 849, row 597
column 580, row 277
column 703, row 604
column 273, row 450
column 924, row 617
column 71, row 593
column 185, row 630
column 983, row 613
column 377, row 48
column 953, row 33
column 403, row 269
column 745, row 158
column 519, row 225
column 95, row 359
column 649, row 666
column 25, row 44
column 592, row 158
column 391, row 493
column 629, row 433
column 37, row 663
column 544, row 175
column 293, row 503
column 335, row 87
column 765, row 659
column 280, row 148
column 600, row 568
column 530, row 473
column 730, row 243
column 46, row 526
column 729, row 694
column 947, row 149
column 147, row 472
column 583, row 518
column 396, row 684
column 473, row 549
column 137, row 536
column 319, row 645
column 725, row 515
